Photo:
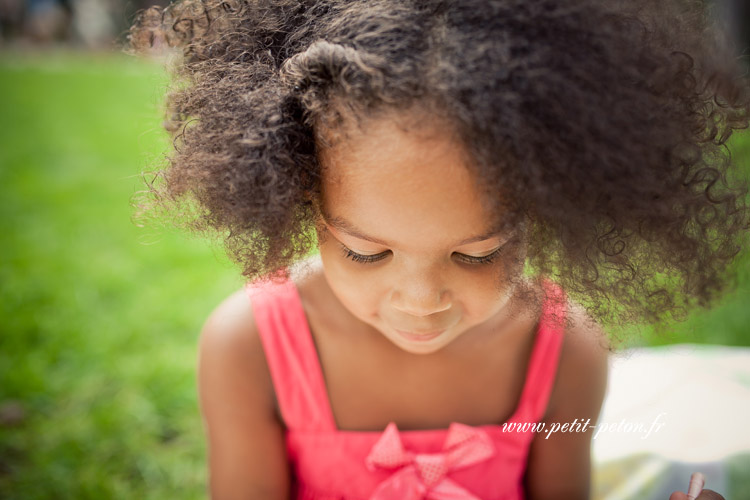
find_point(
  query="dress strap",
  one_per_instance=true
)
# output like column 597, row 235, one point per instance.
column 542, row 369
column 291, row 355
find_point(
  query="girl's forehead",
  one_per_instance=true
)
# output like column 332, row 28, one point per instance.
column 394, row 139
column 403, row 184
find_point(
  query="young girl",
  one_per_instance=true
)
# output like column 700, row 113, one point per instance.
column 486, row 182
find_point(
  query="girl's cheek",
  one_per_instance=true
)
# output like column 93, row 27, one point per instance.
column 341, row 273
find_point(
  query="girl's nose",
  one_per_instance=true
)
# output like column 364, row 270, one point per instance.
column 420, row 297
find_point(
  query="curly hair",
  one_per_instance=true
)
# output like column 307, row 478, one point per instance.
column 600, row 123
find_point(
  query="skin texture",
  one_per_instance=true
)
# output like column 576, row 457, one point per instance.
column 413, row 192
column 374, row 376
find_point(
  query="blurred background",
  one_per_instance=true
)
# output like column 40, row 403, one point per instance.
column 98, row 318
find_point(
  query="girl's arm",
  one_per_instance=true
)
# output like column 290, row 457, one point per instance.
column 559, row 466
column 246, row 447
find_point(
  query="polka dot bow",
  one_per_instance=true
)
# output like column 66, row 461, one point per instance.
column 422, row 476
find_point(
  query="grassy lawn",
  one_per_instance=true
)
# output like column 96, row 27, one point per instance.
column 100, row 318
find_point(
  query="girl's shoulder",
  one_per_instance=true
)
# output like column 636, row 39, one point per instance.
column 583, row 363
column 230, row 347
column 230, row 327
column 231, row 334
column 573, row 409
column 245, row 434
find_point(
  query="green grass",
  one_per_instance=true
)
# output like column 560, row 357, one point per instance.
column 100, row 318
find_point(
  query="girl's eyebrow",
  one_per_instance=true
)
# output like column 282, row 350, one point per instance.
column 347, row 227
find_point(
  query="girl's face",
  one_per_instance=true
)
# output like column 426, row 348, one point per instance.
column 404, row 240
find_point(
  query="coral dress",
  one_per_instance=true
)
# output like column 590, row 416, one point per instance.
column 461, row 462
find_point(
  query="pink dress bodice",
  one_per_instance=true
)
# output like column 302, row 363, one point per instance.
column 461, row 462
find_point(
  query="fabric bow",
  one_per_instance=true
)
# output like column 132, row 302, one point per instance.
column 422, row 476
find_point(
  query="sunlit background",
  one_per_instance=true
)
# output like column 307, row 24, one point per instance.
column 99, row 319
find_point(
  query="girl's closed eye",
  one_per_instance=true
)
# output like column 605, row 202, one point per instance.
column 469, row 259
column 363, row 259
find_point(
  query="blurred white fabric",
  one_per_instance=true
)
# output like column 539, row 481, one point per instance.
column 669, row 411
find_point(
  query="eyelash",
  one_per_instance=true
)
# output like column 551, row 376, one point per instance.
column 369, row 259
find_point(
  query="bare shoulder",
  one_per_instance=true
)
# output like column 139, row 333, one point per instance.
column 230, row 324
column 246, row 446
column 230, row 344
column 582, row 370
column 559, row 464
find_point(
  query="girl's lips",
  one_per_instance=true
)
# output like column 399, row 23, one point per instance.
column 419, row 337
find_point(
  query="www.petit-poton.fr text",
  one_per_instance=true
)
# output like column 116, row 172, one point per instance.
column 642, row 429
